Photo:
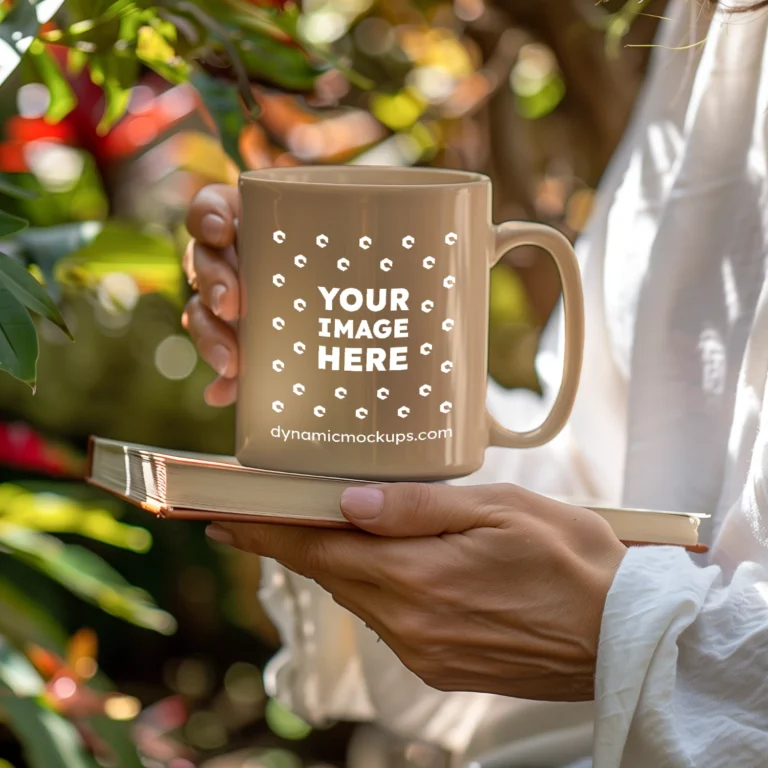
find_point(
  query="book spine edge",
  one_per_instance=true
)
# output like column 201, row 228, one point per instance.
column 155, row 508
column 89, row 458
column 696, row 548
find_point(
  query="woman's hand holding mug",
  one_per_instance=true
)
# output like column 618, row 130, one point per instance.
column 210, row 263
column 485, row 588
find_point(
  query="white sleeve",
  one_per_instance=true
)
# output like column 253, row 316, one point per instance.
column 331, row 667
column 682, row 678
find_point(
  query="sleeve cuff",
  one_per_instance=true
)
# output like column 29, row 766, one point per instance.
column 658, row 592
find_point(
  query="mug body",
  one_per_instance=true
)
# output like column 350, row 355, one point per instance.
column 364, row 321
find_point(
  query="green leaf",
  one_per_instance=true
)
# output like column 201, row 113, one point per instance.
column 117, row 75
column 96, row 71
column 86, row 575
column 17, row 673
column 130, row 24
column 10, row 224
column 23, row 621
column 62, row 97
column 282, row 28
column 55, row 513
column 48, row 739
column 46, row 246
column 248, row 16
column 157, row 52
column 96, row 10
column 150, row 259
column 92, row 26
column 76, row 61
column 225, row 109
column 15, row 278
column 18, row 339
column 119, row 737
column 17, row 31
column 280, row 64
column 7, row 187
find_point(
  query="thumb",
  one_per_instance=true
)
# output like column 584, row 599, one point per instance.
column 420, row 509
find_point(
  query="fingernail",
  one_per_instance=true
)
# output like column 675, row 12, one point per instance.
column 217, row 294
column 363, row 503
column 218, row 359
column 212, row 227
column 217, row 533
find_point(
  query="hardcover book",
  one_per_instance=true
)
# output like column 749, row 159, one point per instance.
column 196, row 486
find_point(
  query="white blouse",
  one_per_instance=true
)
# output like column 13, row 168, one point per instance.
column 670, row 415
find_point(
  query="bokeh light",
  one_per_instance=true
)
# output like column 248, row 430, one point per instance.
column 122, row 707
column 205, row 729
column 323, row 26
column 284, row 723
column 117, row 292
column 57, row 166
column 175, row 357
column 32, row 100
column 243, row 684
column 374, row 36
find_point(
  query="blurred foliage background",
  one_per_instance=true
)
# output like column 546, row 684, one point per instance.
column 113, row 113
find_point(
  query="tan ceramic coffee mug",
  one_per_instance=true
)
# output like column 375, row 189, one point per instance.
column 364, row 325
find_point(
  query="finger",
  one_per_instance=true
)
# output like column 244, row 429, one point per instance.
column 221, row 392
column 422, row 509
column 215, row 280
column 307, row 551
column 215, row 340
column 212, row 215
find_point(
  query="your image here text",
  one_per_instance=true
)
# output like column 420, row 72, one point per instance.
column 350, row 300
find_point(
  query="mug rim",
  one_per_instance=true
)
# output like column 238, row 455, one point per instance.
column 434, row 178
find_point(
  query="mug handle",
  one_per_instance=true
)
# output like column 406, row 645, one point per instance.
column 513, row 234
